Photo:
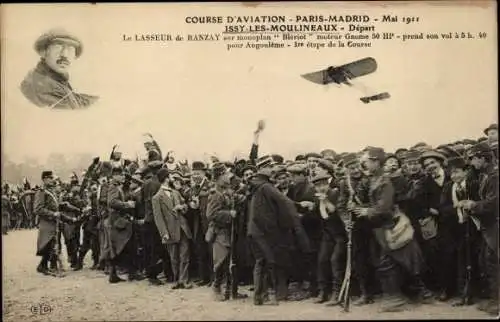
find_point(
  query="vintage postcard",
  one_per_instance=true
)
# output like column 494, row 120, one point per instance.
column 249, row 161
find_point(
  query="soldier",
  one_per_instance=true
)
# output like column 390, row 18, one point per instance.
column 47, row 84
column 122, row 246
column 71, row 231
column 399, row 254
column 270, row 228
column 168, row 212
column 46, row 207
column 486, row 210
column 90, row 232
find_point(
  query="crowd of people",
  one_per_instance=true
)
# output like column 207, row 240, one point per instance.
column 417, row 225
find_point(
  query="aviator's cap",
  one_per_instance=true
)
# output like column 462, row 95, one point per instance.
column 58, row 35
column 47, row 174
column 491, row 127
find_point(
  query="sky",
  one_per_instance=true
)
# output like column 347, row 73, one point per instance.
column 198, row 97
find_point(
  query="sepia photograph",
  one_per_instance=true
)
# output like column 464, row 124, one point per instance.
column 47, row 85
column 250, row 161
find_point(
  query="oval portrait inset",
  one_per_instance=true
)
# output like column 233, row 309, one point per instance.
column 48, row 85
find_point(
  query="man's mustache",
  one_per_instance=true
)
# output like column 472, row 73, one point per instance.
column 63, row 60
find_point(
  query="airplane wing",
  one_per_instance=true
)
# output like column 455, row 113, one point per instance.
column 342, row 74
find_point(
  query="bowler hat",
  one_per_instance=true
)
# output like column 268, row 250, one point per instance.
column 58, row 35
column 47, row 174
column 198, row 165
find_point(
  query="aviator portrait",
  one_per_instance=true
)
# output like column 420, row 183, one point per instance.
column 47, row 85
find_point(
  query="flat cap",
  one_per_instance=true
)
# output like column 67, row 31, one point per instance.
column 277, row 158
column 375, row 153
column 432, row 154
column 326, row 164
column 412, row 155
column 279, row 170
column 491, row 127
column 313, row 155
column 58, row 35
column 480, row 149
column 297, row 168
column 300, row 157
column 321, row 176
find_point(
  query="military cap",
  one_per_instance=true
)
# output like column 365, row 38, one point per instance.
column 47, row 174
column 298, row 168
column 264, row 161
column 375, row 153
column 326, row 164
column 491, row 127
column 58, row 35
column 321, row 176
column 162, row 174
column 432, row 154
column 456, row 163
column 480, row 149
column 218, row 169
column 313, row 155
column 300, row 157
column 198, row 165
column 277, row 158
column 412, row 155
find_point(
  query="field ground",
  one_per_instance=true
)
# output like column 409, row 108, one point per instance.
column 87, row 296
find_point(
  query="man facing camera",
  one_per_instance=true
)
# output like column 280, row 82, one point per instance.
column 47, row 85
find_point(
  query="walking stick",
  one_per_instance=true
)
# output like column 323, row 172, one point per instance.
column 232, row 251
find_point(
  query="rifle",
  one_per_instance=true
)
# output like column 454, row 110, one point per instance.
column 344, row 295
column 468, row 264
column 232, row 254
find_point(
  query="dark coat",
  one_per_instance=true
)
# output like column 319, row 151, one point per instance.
column 270, row 220
column 486, row 209
column 45, row 205
column 44, row 87
column 120, row 225
column 149, row 189
column 167, row 219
